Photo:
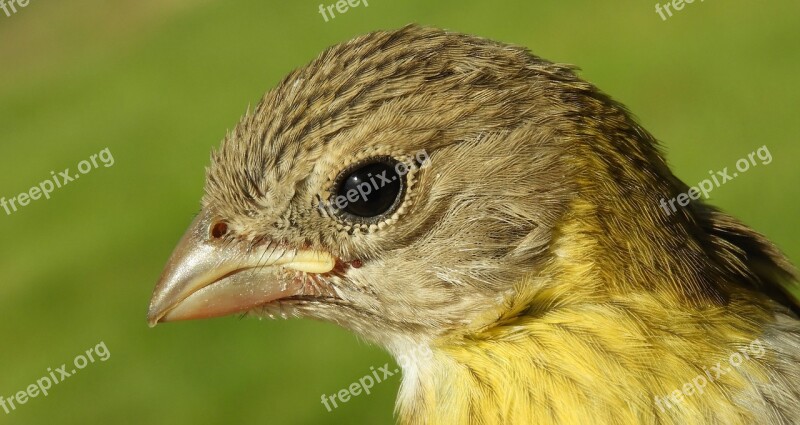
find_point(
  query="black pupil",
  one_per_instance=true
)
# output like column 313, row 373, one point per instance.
column 370, row 190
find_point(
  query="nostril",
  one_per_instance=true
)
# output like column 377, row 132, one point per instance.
column 219, row 229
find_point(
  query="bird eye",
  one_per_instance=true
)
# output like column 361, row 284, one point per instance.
column 370, row 190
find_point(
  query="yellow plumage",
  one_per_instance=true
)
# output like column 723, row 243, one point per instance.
column 574, row 351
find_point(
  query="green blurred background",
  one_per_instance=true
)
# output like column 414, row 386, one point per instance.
column 159, row 82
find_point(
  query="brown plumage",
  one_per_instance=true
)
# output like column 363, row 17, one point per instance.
column 525, row 249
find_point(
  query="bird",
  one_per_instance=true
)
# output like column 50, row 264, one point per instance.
column 442, row 193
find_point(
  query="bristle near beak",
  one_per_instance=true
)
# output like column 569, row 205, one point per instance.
column 208, row 276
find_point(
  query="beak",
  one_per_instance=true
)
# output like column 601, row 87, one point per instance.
column 210, row 277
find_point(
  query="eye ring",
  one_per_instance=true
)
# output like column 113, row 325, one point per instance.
column 369, row 191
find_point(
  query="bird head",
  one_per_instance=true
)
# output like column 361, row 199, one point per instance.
column 416, row 184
